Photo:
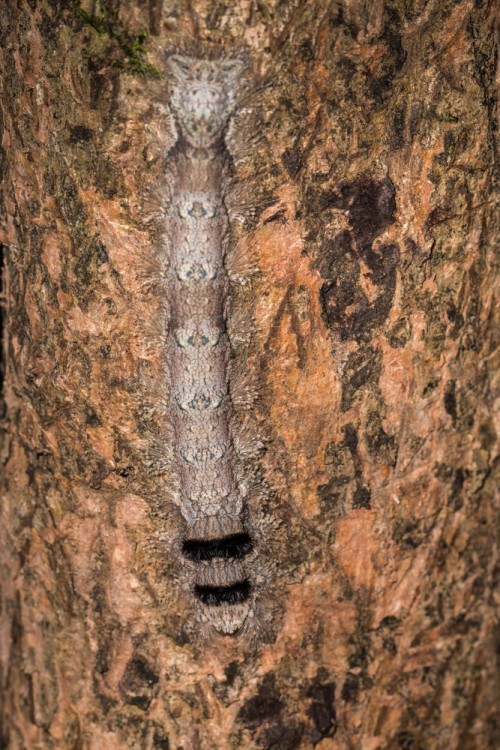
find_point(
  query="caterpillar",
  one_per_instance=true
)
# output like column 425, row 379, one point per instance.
column 216, row 543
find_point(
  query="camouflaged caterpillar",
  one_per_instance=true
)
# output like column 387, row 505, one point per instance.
column 216, row 544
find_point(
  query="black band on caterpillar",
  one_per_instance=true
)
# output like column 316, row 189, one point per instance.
column 217, row 595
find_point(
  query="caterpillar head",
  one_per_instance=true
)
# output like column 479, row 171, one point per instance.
column 203, row 97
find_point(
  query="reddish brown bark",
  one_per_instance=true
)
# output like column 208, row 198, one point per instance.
column 374, row 344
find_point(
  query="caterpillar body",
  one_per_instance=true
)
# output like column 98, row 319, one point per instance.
column 215, row 541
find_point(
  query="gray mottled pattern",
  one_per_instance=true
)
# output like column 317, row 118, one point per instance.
column 202, row 102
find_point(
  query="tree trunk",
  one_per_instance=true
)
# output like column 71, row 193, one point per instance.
column 368, row 205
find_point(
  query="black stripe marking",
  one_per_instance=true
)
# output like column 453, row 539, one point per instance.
column 216, row 595
column 234, row 545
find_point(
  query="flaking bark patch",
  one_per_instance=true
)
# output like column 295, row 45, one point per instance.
column 346, row 308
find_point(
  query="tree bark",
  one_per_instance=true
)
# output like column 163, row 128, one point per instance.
column 374, row 345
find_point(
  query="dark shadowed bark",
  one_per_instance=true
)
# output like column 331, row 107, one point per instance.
column 374, row 342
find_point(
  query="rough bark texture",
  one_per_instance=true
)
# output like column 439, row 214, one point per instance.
column 374, row 345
